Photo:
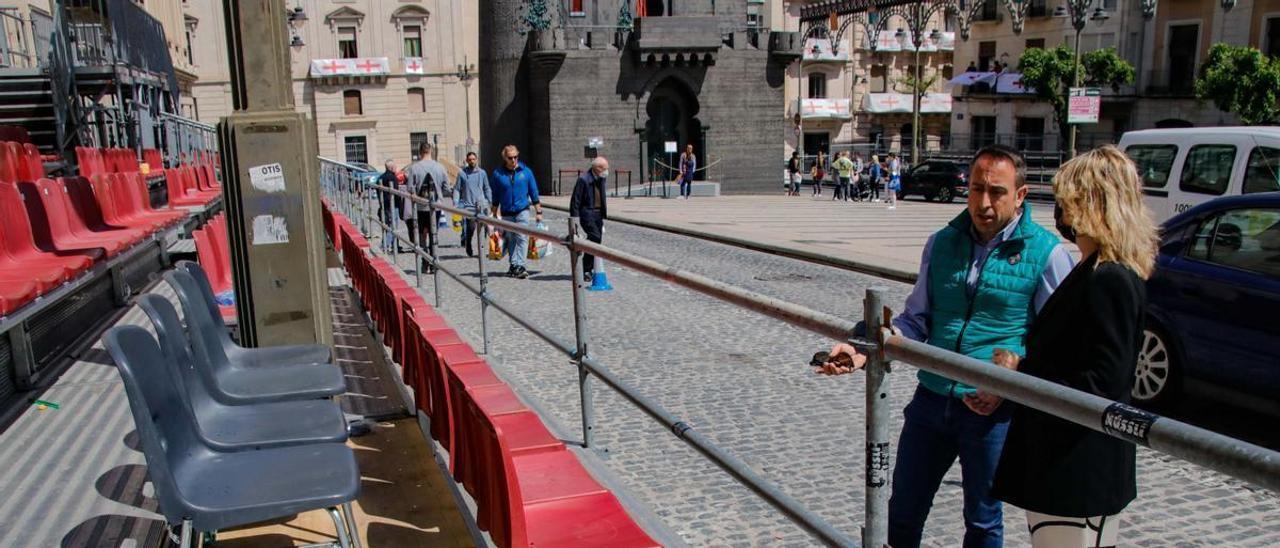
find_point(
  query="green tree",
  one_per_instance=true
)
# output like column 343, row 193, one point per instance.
column 1243, row 81
column 1049, row 72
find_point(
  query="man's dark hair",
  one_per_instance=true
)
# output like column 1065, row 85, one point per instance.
column 470, row 154
column 424, row 149
column 1005, row 152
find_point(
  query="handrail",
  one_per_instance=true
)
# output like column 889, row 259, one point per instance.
column 1245, row 461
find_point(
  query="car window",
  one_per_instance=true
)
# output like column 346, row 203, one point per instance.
column 1248, row 239
column 1154, row 163
column 1202, row 240
column 1207, row 169
column 1263, row 171
column 922, row 168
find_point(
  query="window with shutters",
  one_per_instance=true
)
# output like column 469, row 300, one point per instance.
column 347, row 43
column 351, row 103
column 412, row 41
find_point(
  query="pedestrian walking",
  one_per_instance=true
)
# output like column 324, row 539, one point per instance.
column 1073, row 481
column 590, row 206
column 874, row 172
column 473, row 193
column 515, row 193
column 982, row 279
column 819, row 172
column 427, row 180
column 844, row 170
column 793, row 172
column 688, row 166
column 855, row 179
column 389, row 207
column 895, row 180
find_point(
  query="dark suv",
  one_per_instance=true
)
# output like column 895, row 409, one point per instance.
column 940, row 180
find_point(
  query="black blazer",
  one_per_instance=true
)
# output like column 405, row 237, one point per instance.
column 1087, row 336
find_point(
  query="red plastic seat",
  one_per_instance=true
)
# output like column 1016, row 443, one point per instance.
column 192, row 187
column 218, row 270
column 130, row 191
column 50, row 222
column 15, row 292
column 19, row 242
column 35, row 165
column 94, row 212
column 177, row 192
column 81, row 219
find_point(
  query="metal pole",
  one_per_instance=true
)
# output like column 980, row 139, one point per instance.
column 432, row 237
column 875, row 532
column 580, row 332
column 417, row 255
column 1075, row 82
column 482, row 248
column 915, row 99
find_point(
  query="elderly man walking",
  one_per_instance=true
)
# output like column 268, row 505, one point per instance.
column 983, row 278
column 427, row 179
column 473, row 193
column 515, row 192
column 590, row 205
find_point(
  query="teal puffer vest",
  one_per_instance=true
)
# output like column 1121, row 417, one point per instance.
column 1001, row 306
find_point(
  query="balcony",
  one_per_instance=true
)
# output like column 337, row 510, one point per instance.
column 888, row 41
column 825, row 109
column 672, row 35
column 350, row 71
column 821, row 50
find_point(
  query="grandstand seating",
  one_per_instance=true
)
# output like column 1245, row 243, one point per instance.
column 52, row 230
column 213, row 251
column 528, row 487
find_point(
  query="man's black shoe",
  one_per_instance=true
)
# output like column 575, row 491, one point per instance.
column 511, row 272
column 586, row 277
column 469, row 252
column 522, row 273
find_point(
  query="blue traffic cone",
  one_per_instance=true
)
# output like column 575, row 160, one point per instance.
column 599, row 281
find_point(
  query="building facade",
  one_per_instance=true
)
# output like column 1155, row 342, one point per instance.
column 632, row 78
column 377, row 77
column 1167, row 49
column 853, row 85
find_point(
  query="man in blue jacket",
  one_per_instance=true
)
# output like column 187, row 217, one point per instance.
column 983, row 278
column 515, row 192
column 591, row 207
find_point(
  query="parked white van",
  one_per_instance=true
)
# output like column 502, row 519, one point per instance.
column 1181, row 168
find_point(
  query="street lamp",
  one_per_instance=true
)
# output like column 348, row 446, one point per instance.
column 467, row 73
column 1078, row 10
column 296, row 18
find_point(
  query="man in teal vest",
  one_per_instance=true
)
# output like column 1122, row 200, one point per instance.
column 983, row 277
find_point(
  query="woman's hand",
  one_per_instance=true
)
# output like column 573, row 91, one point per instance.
column 836, row 366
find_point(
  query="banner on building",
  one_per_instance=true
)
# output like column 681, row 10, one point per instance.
column 828, row 109
column 888, row 103
column 414, row 65
column 362, row 66
column 1084, row 105
column 1011, row 82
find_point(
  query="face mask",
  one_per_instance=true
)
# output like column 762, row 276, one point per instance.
column 604, row 174
column 1067, row 231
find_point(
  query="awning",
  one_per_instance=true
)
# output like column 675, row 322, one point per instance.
column 889, row 103
column 363, row 66
column 825, row 109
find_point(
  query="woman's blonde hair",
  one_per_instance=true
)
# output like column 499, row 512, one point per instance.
column 1101, row 194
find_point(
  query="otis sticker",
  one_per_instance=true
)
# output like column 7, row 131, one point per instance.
column 1128, row 422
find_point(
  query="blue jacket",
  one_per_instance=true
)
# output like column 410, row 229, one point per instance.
column 995, row 313
column 513, row 191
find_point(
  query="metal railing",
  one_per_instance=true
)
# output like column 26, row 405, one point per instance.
column 1242, row 460
column 183, row 139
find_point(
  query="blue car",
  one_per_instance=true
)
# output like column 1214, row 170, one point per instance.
column 1214, row 306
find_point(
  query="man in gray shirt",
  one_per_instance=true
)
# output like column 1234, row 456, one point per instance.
column 473, row 193
column 427, row 179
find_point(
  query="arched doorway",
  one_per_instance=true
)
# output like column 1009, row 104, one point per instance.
column 673, row 110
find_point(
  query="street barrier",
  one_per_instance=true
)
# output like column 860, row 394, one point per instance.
column 1242, row 460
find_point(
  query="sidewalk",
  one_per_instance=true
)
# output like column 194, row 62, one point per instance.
column 865, row 237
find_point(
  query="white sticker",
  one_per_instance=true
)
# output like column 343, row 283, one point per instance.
column 269, row 229
column 267, row 178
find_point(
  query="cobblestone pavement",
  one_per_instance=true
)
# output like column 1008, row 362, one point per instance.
column 742, row 380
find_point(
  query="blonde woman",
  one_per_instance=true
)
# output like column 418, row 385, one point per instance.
column 1071, row 480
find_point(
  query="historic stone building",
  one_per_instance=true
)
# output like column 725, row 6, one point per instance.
column 632, row 76
column 376, row 76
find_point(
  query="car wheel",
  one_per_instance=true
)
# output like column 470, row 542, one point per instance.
column 1157, row 375
column 945, row 195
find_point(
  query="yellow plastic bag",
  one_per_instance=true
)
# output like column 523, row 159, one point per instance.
column 457, row 222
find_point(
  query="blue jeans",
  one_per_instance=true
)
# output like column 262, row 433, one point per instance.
column 517, row 245
column 936, row 430
column 686, row 185
column 390, row 218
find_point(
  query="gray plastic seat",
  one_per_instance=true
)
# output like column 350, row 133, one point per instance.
column 234, row 383
column 238, row 427
column 207, row 490
column 251, row 357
